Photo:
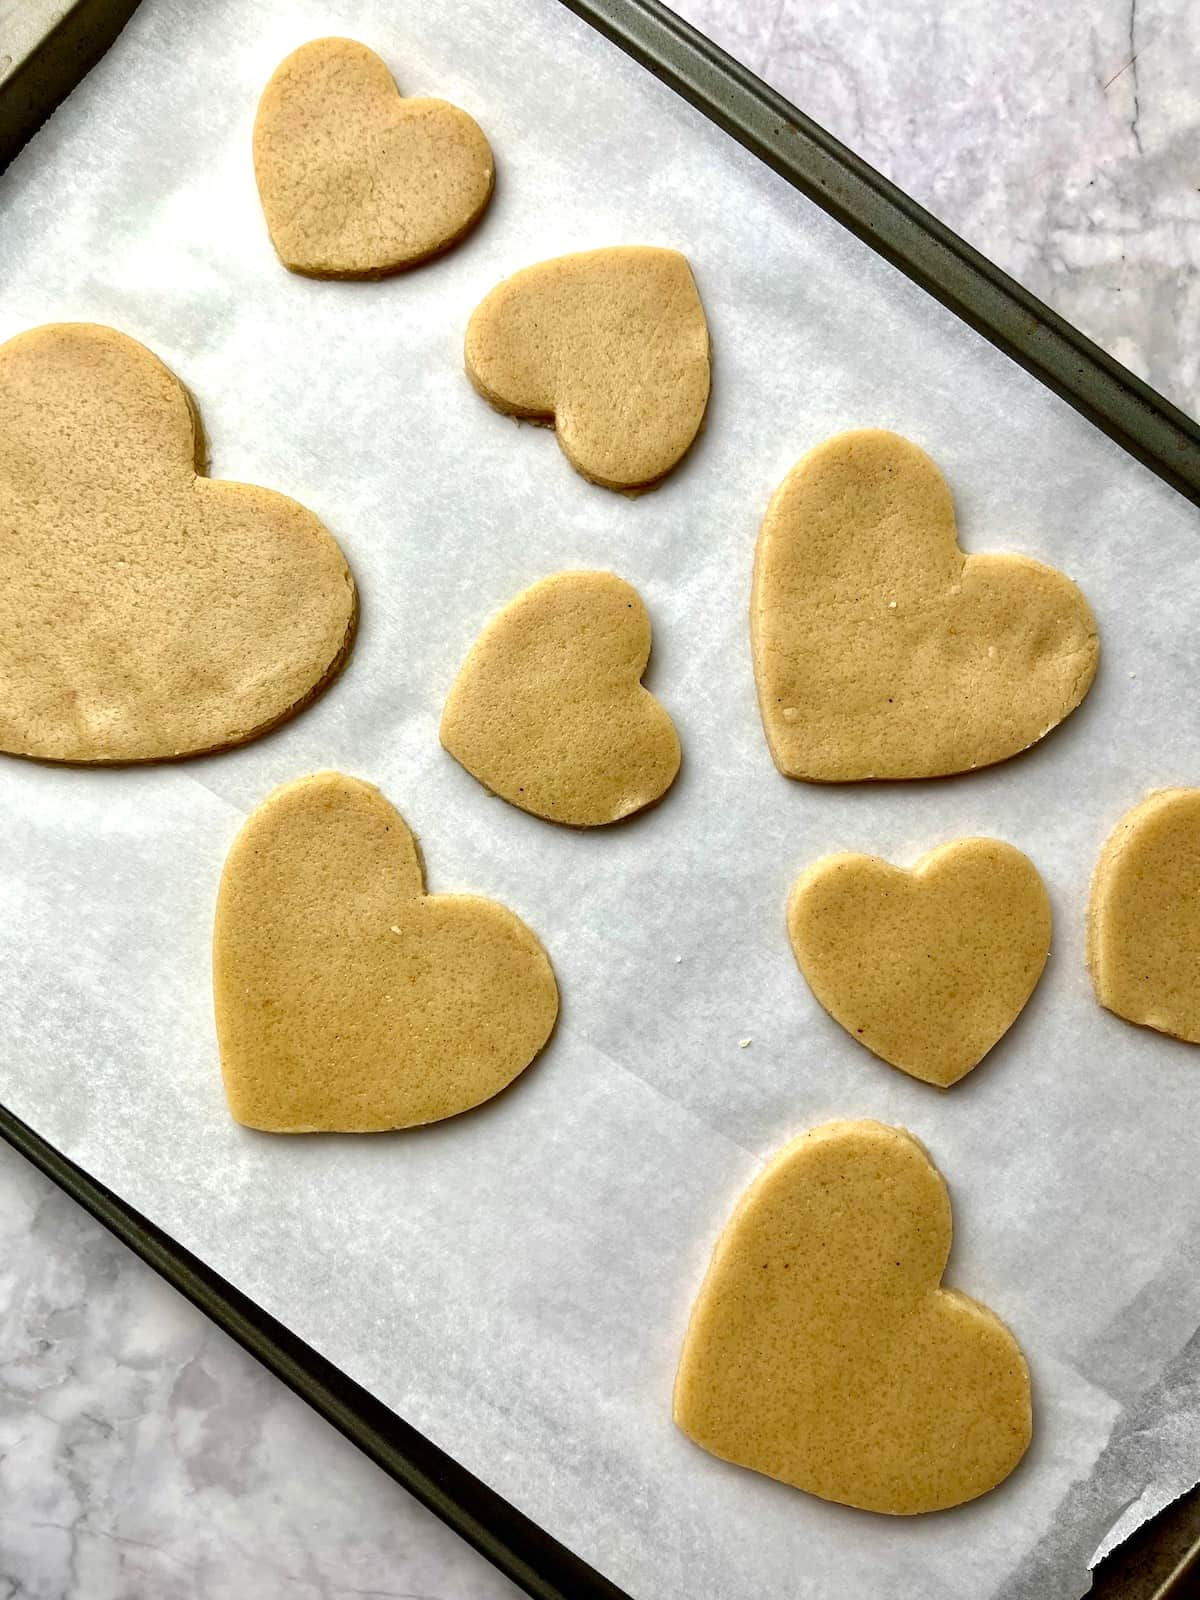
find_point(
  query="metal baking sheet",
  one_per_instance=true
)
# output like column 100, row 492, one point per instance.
column 634, row 1135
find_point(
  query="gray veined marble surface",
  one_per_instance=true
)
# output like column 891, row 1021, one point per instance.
column 1061, row 138
column 143, row 1456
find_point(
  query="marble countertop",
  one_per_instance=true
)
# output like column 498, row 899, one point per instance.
column 1063, row 141
column 143, row 1455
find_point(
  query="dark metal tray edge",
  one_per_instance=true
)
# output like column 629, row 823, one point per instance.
column 45, row 72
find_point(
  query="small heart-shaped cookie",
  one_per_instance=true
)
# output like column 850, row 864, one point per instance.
column 549, row 711
column 880, row 649
column 356, row 182
column 610, row 344
column 927, row 968
column 1144, row 919
column 822, row 1349
column 148, row 612
column 348, row 999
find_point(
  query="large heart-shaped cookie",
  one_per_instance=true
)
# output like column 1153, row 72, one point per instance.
column 822, row 1349
column 926, row 968
column 880, row 649
column 347, row 998
column 610, row 344
column 549, row 711
column 356, row 182
column 1144, row 919
column 147, row 612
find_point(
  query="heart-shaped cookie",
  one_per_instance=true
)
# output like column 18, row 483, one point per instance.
column 549, row 711
column 1144, row 918
column 348, row 999
column 356, row 182
column 880, row 649
column 147, row 612
column 822, row 1349
column 927, row 968
column 612, row 345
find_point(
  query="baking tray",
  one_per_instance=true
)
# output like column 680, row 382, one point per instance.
column 1131, row 413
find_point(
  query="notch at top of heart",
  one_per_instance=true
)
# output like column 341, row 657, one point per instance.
column 357, row 181
column 612, row 346
column 881, row 649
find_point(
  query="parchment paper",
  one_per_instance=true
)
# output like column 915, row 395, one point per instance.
column 516, row 1282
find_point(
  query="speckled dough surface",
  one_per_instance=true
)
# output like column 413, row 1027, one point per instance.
column 822, row 1349
column 145, row 612
column 880, row 649
column 930, row 967
column 610, row 344
column 354, row 180
column 549, row 711
column 346, row 997
column 1144, row 919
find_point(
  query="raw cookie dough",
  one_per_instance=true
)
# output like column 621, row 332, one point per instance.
column 146, row 612
column 880, row 649
column 610, row 344
column 927, row 968
column 549, row 712
column 348, row 999
column 356, row 182
column 1144, row 919
column 822, row 1349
